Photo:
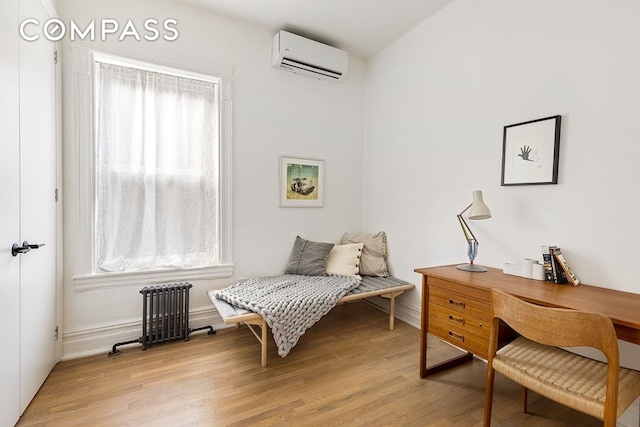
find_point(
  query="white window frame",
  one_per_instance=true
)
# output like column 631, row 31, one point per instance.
column 86, row 275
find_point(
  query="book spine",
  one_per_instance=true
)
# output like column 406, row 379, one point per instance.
column 546, row 261
column 559, row 276
column 568, row 271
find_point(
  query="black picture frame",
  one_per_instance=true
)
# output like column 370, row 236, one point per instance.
column 530, row 152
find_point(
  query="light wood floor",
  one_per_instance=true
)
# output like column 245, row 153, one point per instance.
column 346, row 370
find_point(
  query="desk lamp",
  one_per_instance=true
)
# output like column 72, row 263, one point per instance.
column 478, row 211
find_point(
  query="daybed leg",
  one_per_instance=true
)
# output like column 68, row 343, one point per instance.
column 264, row 344
column 262, row 337
column 523, row 399
column 392, row 307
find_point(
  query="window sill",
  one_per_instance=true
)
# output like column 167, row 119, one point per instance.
column 90, row 282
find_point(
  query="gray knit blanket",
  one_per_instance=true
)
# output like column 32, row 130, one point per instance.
column 290, row 303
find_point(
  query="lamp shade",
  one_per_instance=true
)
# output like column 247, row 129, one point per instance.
column 479, row 210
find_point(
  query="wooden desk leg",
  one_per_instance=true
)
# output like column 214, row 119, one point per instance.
column 424, row 328
column 465, row 357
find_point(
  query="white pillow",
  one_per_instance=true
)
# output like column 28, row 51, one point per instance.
column 345, row 260
column 374, row 252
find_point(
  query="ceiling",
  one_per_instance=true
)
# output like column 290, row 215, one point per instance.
column 361, row 27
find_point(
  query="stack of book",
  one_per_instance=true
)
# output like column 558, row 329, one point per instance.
column 556, row 268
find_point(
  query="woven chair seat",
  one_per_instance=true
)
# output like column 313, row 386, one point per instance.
column 568, row 378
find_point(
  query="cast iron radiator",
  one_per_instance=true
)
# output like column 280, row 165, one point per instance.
column 165, row 315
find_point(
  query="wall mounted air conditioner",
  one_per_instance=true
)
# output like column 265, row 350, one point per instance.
column 308, row 57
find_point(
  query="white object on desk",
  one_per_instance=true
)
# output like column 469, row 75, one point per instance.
column 530, row 268
column 538, row 272
column 527, row 268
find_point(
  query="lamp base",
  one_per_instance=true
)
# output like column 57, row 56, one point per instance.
column 472, row 268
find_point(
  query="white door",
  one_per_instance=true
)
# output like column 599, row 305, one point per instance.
column 9, row 215
column 37, row 207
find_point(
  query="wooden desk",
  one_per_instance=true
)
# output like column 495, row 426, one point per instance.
column 456, row 307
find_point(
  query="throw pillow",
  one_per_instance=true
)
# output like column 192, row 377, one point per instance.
column 345, row 260
column 308, row 258
column 373, row 261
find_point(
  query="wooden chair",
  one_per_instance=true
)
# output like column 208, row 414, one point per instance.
column 603, row 390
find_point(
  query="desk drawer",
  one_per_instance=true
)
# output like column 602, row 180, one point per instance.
column 460, row 304
column 479, row 294
column 459, row 337
column 462, row 320
column 460, row 315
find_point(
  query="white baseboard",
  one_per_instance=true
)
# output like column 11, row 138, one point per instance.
column 407, row 313
column 101, row 338
column 630, row 416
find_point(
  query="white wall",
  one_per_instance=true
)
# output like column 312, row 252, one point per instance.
column 274, row 113
column 436, row 104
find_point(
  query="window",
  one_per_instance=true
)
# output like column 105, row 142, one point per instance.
column 161, row 160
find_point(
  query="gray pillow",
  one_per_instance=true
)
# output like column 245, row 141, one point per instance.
column 309, row 258
column 373, row 261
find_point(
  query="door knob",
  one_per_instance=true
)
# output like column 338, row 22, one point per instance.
column 26, row 247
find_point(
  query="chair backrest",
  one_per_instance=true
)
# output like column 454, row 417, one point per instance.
column 556, row 326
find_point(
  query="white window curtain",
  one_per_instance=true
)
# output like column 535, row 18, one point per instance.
column 157, row 169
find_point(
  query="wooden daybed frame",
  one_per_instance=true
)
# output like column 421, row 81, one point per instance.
column 385, row 287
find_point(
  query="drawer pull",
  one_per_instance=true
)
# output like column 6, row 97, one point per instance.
column 456, row 303
column 456, row 336
column 456, row 319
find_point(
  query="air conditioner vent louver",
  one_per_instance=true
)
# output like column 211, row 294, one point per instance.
column 307, row 57
column 311, row 68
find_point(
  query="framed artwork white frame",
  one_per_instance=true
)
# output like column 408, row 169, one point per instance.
column 301, row 182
